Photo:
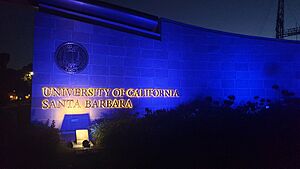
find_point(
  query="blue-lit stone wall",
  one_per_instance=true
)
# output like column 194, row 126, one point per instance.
column 221, row 64
column 196, row 61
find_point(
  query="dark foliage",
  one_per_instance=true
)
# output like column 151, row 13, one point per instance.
column 86, row 144
column 205, row 134
column 24, row 145
column 12, row 83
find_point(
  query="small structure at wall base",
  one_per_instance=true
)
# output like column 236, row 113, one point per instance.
column 75, row 128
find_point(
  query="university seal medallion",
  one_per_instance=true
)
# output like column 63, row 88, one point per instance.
column 71, row 57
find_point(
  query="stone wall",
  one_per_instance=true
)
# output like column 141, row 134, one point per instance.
column 196, row 61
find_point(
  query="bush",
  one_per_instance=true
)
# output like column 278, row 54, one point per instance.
column 35, row 146
column 69, row 145
column 86, row 144
column 205, row 134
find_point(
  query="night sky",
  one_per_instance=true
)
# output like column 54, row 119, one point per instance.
column 251, row 17
column 16, row 32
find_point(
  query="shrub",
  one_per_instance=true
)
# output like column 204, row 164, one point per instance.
column 205, row 134
column 86, row 144
column 35, row 146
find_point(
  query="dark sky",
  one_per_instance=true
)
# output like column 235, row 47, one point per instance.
column 251, row 17
column 16, row 33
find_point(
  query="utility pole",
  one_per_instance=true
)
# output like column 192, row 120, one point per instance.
column 281, row 33
column 280, row 20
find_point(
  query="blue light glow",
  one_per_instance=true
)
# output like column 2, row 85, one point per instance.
column 196, row 61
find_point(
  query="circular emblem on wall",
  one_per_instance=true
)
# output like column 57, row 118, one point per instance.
column 71, row 57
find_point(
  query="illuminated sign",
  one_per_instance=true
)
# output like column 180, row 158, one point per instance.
column 62, row 97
